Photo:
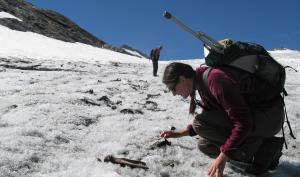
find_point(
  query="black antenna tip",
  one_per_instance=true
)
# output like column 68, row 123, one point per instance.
column 167, row 15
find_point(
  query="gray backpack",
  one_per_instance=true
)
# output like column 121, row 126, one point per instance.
column 252, row 58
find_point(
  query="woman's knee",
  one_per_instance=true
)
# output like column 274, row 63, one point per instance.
column 208, row 147
column 198, row 125
column 212, row 132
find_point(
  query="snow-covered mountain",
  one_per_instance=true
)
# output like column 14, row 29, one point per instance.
column 28, row 17
column 134, row 52
column 65, row 105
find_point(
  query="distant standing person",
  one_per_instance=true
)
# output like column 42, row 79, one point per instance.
column 154, row 56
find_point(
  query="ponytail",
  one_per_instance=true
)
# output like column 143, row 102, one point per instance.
column 193, row 102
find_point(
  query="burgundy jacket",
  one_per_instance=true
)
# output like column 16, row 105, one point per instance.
column 237, row 93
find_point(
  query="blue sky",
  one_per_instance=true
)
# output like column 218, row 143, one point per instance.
column 140, row 24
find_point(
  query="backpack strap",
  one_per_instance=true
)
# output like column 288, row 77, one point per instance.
column 288, row 123
column 285, row 112
column 206, row 96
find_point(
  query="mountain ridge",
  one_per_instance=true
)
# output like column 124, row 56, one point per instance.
column 49, row 23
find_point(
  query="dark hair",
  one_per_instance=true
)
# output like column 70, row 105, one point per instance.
column 171, row 77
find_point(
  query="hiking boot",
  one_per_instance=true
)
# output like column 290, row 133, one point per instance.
column 268, row 155
column 275, row 162
column 238, row 166
column 208, row 148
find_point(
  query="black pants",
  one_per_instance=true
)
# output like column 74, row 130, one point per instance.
column 215, row 126
column 155, row 67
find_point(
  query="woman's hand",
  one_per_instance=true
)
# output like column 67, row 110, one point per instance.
column 169, row 134
column 174, row 134
column 216, row 168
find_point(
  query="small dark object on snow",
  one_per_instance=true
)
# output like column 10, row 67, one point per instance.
column 164, row 174
column 131, row 111
column 172, row 127
column 125, row 162
column 160, row 143
column 91, row 91
column 89, row 101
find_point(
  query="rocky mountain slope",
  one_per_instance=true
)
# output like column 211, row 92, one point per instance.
column 48, row 23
